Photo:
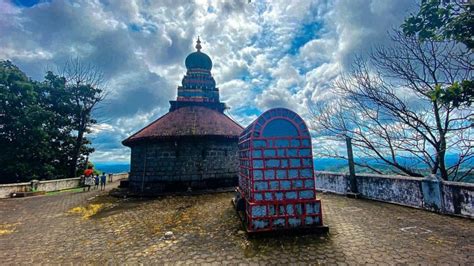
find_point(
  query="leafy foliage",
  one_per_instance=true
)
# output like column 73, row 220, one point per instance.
column 39, row 125
column 442, row 20
column 456, row 94
column 446, row 21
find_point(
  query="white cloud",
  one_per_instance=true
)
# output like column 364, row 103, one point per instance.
column 265, row 53
column 101, row 127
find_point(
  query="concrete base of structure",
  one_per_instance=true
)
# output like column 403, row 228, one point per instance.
column 124, row 184
column 127, row 193
column 320, row 229
column 163, row 187
column 353, row 195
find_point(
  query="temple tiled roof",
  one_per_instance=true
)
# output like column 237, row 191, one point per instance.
column 188, row 121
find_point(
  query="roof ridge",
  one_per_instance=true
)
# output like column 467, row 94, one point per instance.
column 188, row 121
column 147, row 126
column 235, row 122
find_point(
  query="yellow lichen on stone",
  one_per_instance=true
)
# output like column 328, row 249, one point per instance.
column 437, row 240
column 87, row 211
column 6, row 229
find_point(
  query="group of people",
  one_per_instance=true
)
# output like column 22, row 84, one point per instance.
column 93, row 180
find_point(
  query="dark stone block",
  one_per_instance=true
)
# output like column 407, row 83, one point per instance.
column 175, row 168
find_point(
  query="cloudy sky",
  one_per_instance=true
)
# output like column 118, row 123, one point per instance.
column 265, row 53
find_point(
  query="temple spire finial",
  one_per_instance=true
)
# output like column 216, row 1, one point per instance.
column 198, row 44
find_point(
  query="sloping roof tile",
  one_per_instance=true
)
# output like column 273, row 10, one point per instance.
column 188, row 121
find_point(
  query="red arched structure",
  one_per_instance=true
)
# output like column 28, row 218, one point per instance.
column 276, row 179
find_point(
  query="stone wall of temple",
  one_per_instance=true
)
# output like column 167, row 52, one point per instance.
column 198, row 163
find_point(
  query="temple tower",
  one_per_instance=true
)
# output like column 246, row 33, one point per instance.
column 194, row 145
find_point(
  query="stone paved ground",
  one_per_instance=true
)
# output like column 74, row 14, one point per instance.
column 77, row 227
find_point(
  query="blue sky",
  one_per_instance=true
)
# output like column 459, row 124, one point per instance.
column 265, row 53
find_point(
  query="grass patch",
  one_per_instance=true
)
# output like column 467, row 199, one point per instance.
column 78, row 189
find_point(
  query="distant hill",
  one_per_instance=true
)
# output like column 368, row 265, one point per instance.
column 330, row 164
column 340, row 165
column 320, row 164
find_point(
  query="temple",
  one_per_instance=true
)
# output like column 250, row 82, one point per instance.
column 194, row 145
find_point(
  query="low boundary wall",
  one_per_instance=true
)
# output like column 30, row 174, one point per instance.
column 49, row 185
column 428, row 193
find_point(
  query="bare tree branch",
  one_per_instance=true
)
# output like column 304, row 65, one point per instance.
column 385, row 106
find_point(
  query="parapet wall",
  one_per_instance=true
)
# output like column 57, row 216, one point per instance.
column 58, row 184
column 458, row 198
column 48, row 185
column 454, row 198
column 7, row 189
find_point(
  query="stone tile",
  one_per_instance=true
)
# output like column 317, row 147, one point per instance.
column 106, row 230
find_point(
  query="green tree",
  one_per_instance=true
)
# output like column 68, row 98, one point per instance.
column 25, row 123
column 56, row 97
column 441, row 21
column 84, row 83
column 40, row 123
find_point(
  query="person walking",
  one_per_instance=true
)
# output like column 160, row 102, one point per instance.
column 89, row 182
column 96, row 179
column 103, row 179
column 88, row 178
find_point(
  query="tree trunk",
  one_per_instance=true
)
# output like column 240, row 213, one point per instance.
column 76, row 151
column 441, row 148
column 442, row 162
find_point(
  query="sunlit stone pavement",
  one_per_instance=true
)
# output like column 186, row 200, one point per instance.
column 91, row 227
